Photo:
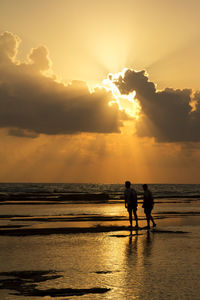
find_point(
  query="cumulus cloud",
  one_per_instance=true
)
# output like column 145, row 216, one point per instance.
column 8, row 47
column 167, row 115
column 32, row 103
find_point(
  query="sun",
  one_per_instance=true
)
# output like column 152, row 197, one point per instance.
column 127, row 103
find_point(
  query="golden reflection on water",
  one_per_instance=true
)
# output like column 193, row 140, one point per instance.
column 129, row 255
column 137, row 251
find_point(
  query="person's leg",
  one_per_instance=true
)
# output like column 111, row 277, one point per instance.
column 148, row 220
column 146, row 211
column 130, row 215
column 135, row 216
column 152, row 220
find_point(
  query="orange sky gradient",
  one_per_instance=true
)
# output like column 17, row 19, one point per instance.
column 99, row 91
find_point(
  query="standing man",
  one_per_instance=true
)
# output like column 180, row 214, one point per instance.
column 130, row 196
column 148, row 205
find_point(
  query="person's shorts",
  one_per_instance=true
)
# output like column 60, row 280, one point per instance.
column 147, row 210
column 130, row 208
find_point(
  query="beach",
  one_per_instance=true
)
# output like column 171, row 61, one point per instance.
column 56, row 248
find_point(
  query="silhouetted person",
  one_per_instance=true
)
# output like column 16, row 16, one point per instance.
column 130, row 196
column 148, row 205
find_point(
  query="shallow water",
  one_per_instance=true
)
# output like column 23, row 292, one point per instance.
column 157, row 264
column 151, row 264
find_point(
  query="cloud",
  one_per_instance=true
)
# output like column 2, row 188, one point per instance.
column 167, row 115
column 32, row 103
column 8, row 47
column 22, row 133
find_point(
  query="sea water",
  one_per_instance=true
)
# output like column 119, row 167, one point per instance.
column 157, row 264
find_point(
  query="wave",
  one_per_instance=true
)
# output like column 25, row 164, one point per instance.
column 60, row 192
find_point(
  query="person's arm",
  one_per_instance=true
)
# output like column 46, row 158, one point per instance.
column 151, row 197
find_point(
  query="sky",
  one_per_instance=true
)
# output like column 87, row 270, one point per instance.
column 99, row 91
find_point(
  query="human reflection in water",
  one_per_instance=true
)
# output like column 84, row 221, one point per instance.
column 147, row 244
column 132, row 246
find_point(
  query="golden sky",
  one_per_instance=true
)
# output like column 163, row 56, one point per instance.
column 99, row 91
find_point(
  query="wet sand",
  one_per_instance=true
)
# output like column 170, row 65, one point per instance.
column 24, row 283
column 99, row 251
column 89, row 223
column 44, row 229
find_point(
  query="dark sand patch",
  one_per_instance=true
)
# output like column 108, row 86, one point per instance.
column 76, row 230
column 106, row 272
column 124, row 235
column 10, row 226
column 168, row 231
column 66, row 230
column 187, row 213
column 72, row 218
column 66, row 292
column 13, row 216
column 24, row 283
column 119, row 235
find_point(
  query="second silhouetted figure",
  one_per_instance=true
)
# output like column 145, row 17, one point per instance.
column 148, row 205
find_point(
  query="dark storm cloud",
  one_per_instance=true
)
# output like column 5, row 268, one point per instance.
column 31, row 103
column 167, row 114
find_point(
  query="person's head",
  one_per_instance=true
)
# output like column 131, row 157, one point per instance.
column 145, row 187
column 127, row 184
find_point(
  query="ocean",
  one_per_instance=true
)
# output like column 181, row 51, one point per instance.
column 72, row 241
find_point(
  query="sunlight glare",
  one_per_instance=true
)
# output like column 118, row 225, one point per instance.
column 126, row 103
